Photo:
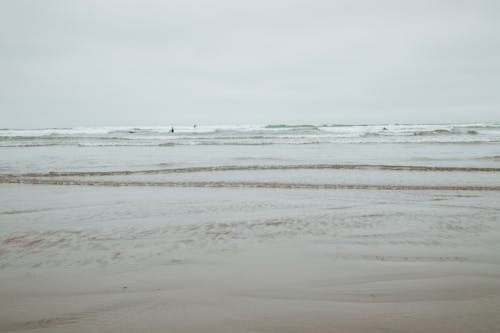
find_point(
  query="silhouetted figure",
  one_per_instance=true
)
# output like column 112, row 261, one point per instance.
column 172, row 130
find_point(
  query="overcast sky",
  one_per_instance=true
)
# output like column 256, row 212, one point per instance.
column 105, row 62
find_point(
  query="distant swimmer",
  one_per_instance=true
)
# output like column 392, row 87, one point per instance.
column 194, row 126
column 172, row 130
column 385, row 128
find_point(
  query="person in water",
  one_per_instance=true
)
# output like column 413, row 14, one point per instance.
column 172, row 130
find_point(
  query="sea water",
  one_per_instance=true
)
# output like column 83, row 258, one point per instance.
column 124, row 148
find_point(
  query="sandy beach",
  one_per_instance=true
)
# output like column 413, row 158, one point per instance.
column 115, row 259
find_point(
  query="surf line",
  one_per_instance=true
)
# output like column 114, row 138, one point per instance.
column 260, row 167
column 264, row 185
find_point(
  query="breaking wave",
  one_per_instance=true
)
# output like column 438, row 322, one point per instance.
column 251, row 135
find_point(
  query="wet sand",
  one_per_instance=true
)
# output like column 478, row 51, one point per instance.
column 291, row 176
column 194, row 259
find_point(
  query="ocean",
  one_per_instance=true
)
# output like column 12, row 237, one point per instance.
column 124, row 148
column 250, row 135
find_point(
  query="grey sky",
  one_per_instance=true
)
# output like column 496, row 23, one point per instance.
column 145, row 62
